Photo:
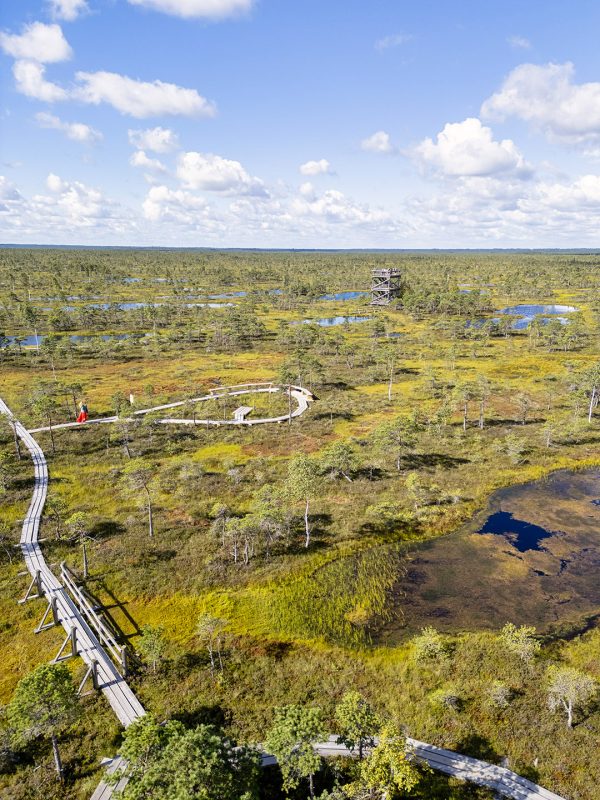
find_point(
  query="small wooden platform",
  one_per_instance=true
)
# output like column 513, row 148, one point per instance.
column 241, row 413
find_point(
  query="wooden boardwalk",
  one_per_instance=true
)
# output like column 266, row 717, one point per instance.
column 79, row 634
column 471, row 770
column 301, row 396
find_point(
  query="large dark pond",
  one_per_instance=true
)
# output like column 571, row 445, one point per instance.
column 533, row 557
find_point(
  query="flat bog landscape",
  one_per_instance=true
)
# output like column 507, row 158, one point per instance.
column 299, row 400
column 363, row 506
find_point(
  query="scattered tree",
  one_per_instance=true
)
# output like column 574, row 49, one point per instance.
column 78, row 524
column 358, row 723
column 302, row 483
column 44, row 703
column 152, row 645
column 168, row 762
column 396, row 437
column 429, row 646
column 388, row 772
column 520, row 642
column 568, row 689
column 339, row 459
column 44, row 406
column 291, row 738
column 210, row 631
column 524, row 405
column 139, row 476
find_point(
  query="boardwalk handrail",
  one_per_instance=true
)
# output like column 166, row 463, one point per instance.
column 103, row 632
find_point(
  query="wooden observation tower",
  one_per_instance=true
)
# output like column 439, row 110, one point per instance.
column 385, row 286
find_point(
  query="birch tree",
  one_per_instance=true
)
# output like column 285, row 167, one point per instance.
column 139, row 475
column 569, row 689
column 302, row 484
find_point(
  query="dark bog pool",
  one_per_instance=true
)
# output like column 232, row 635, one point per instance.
column 533, row 557
column 522, row 535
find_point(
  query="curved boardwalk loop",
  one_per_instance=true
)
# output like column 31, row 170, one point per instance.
column 76, row 618
column 80, row 636
column 301, row 395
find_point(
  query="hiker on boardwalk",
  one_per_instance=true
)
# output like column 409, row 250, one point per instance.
column 83, row 413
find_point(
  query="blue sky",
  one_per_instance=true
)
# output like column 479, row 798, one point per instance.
column 271, row 123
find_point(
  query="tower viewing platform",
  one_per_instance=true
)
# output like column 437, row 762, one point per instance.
column 385, row 286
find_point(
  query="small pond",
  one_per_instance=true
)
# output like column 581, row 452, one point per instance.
column 350, row 295
column 518, row 324
column 29, row 341
column 134, row 306
column 329, row 322
column 225, row 295
column 532, row 558
column 532, row 310
column 529, row 312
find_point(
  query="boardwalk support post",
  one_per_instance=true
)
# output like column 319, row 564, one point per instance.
column 91, row 672
column 53, row 609
column 124, row 664
column 36, row 583
column 70, row 640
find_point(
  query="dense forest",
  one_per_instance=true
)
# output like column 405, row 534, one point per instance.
column 267, row 601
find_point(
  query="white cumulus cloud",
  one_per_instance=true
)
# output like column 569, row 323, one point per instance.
column 547, row 96
column 583, row 193
column 140, row 98
column 30, row 81
column 334, row 207
column 158, row 140
column 70, row 211
column 162, row 203
column 76, row 204
column 140, row 159
column 468, row 148
column 77, row 131
column 210, row 9
column 216, row 174
column 68, row 9
column 8, row 193
column 321, row 167
column 38, row 42
column 307, row 189
column 379, row 142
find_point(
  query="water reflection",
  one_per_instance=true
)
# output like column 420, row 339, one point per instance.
column 328, row 322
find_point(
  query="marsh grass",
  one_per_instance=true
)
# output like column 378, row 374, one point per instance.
column 302, row 626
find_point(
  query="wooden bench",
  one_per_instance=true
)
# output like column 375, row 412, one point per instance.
column 241, row 413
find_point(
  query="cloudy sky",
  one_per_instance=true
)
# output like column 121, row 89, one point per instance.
column 320, row 123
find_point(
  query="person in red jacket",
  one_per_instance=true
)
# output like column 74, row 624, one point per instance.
column 83, row 413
